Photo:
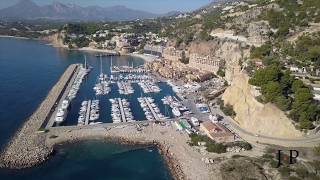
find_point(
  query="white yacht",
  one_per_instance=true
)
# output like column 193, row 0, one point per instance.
column 176, row 112
column 65, row 104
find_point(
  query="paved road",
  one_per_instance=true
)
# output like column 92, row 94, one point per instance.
column 309, row 141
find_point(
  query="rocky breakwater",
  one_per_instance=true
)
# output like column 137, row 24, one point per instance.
column 183, row 160
column 28, row 148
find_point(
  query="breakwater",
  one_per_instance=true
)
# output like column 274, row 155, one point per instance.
column 27, row 147
column 115, row 135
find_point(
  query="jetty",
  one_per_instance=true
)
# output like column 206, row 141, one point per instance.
column 123, row 116
column 156, row 117
column 27, row 147
column 88, row 112
column 108, row 54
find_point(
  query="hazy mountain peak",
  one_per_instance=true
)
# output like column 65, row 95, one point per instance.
column 26, row 3
column 27, row 9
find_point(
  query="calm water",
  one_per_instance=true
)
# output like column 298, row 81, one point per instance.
column 96, row 160
column 28, row 70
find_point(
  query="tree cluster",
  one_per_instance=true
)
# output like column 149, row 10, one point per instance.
column 289, row 94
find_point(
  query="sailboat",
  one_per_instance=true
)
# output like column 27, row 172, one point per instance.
column 102, row 84
column 85, row 66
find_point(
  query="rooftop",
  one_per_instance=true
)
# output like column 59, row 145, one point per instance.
column 216, row 129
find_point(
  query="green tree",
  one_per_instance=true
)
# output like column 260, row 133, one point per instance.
column 283, row 103
column 305, row 124
column 221, row 72
column 315, row 53
column 261, row 52
column 286, row 82
column 216, row 148
column 184, row 59
column 263, row 76
column 271, row 90
column 297, row 84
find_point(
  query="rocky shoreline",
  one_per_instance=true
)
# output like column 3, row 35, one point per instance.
column 164, row 150
column 181, row 159
column 27, row 148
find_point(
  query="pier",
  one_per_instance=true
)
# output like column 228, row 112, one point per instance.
column 88, row 113
column 156, row 117
column 27, row 147
column 51, row 118
column 123, row 117
column 108, row 54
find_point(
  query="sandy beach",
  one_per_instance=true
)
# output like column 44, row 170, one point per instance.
column 5, row 36
column 146, row 58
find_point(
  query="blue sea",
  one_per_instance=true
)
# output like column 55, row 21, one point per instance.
column 28, row 71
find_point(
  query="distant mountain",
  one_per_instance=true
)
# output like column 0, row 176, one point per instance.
column 27, row 9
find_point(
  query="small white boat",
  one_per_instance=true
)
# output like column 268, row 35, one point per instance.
column 176, row 112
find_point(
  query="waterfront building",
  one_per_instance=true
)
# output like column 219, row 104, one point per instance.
column 205, row 62
column 155, row 50
column 217, row 132
column 173, row 54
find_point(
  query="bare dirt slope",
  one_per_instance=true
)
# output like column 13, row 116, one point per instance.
column 263, row 119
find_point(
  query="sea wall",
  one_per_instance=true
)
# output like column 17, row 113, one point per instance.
column 183, row 161
column 27, row 147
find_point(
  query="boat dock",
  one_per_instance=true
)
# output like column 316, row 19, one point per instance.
column 88, row 112
column 108, row 54
column 28, row 147
column 64, row 93
column 123, row 116
column 156, row 117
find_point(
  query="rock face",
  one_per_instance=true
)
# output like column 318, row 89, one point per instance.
column 263, row 119
column 55, row 39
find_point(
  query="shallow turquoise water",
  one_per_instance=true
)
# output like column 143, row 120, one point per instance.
column 28, row 70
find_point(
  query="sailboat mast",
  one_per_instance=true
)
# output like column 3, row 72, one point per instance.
column 100, row 65
column 85, row 61
column 111, row 65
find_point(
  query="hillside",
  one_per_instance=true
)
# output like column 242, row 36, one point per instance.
column 270, row 33
column 257, row 42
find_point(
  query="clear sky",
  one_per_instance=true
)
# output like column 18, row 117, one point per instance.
column 155, row 6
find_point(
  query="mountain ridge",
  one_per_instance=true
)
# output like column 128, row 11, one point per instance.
column 27, row 9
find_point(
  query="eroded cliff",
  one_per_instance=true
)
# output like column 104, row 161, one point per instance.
column 255, row 117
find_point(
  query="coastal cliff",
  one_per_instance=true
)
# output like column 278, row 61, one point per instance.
column 56, row 39
column 255, row 117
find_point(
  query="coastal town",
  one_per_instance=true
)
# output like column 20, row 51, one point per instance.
column 208, row 100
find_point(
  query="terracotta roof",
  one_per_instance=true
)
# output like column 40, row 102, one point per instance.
column 216, row 129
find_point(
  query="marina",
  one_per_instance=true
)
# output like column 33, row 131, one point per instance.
column 131, row 77
column 178, row 109
column 151, row 110
column 102, row 85
column 149, row 87
column 128, row 69
column 64, row 106
column 115, row 98
column 121, row 111
column 125, row 88
column 86, row 97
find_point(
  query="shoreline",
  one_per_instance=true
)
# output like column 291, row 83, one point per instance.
column 146, row 58
column 179, row 156
column 29, row 148
column 168, row 160
column 14, row 37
